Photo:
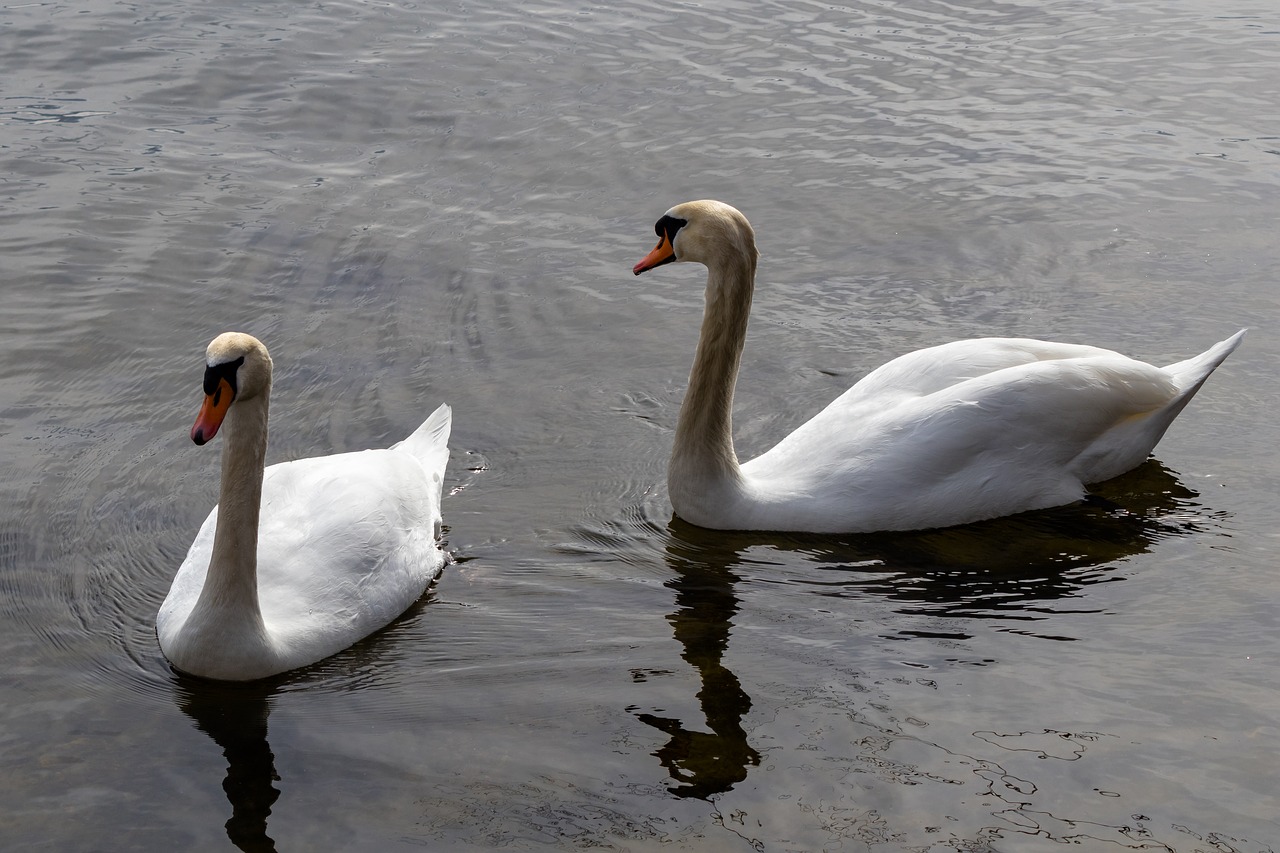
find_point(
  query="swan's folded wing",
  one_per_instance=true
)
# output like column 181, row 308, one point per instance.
column 938, row 368
column 1046, row 413
column 1003, row 442
column 346, row 540
column 188, row 581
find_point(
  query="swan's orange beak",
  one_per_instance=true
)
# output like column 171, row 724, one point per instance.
column 663, row 253
column 212, row 411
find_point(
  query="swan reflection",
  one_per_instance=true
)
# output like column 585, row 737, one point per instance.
column 705, row 763
column 1022, row 569
column 235, row 716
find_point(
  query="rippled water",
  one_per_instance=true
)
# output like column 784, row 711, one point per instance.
column 418, row 203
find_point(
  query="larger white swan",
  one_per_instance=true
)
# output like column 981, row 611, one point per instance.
column 947, row 435
column 304, row 558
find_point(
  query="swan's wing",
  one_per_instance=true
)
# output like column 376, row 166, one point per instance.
column 188, row 581
column 346, row 543
column 1005, row 441
column 934, row 369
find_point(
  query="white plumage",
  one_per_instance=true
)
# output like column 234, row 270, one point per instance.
column 338, row 547
column 947, row 435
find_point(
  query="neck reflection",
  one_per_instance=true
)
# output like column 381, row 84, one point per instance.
column 704, row 763
column 236, row 718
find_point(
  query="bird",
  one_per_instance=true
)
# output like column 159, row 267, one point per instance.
column 943, row 436
column 301, row 559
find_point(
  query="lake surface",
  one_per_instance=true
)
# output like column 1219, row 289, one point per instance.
column 419, row 203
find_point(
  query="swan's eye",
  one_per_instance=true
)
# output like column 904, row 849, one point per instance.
column 215, row 372
column 668, row 226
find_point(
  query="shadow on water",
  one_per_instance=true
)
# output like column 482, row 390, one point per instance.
column 235, row 716
column 1019, row 569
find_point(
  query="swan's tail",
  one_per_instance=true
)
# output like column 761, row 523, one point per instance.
column 1126, row 445
column 1191, row 374
column 430, row 442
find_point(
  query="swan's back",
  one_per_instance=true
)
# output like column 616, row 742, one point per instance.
column 349, row 541
column 970, row 430
column 939, row 367
column 353, row 554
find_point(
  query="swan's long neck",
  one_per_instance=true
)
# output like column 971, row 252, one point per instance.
column 230, row 593
column 704, row 467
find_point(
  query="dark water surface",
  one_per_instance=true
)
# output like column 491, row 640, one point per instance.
column 417, row 203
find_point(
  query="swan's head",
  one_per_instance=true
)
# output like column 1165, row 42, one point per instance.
column 705, row 232
column 237, row 367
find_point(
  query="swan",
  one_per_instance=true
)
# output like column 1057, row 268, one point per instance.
column 301, row 559
column 947, row 435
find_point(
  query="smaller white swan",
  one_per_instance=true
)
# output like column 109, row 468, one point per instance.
column 947, row 435
column 304, row 558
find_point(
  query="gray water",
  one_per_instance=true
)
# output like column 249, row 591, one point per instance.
column 414, row 204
